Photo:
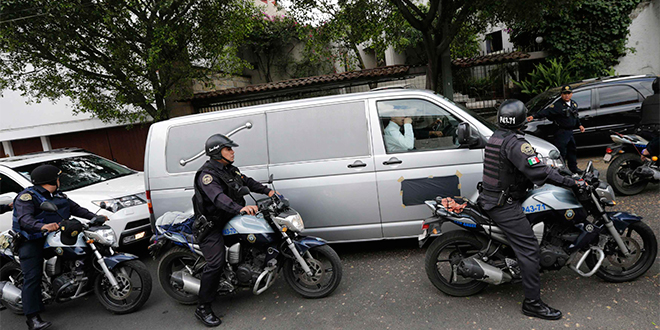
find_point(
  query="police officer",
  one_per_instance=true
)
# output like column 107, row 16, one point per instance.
column 564, row 114
column 511, row 166
column 30, row 221
column 217, row 198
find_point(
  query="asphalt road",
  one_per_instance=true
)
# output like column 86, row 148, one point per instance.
column 385, row 287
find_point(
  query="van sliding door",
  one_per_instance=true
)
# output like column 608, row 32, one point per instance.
column 320, row 159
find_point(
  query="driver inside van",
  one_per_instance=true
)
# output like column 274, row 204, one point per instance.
column 399, row 134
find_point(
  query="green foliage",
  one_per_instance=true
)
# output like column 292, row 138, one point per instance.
column 592, row 33
column 118, row 59
column 545, row 77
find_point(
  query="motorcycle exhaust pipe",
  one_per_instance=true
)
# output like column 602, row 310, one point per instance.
column 481, row 271
column 10, row 293
column 186, row 281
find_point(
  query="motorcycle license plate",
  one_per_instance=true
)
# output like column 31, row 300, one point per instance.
column 607, row 157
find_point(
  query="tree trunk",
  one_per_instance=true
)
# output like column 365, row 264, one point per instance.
column 432, row 66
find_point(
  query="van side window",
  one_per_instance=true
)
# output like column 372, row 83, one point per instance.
column 416, row 125
column 319, row 132
column 8, row 185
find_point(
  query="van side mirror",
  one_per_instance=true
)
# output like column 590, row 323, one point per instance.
column 242, row 191
column 467, row 135
column 48, row 207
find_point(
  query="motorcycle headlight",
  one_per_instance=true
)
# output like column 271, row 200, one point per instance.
column 605, row 193
column 104, row 236
column 290, row 219
column 115, row 204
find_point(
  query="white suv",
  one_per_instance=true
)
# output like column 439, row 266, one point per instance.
column 87, row 179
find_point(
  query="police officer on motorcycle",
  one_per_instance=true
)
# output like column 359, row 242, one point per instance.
column 217, row 199
column 31, row 222
column 511, row 166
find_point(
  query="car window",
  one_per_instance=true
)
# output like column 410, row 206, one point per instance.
column 539, row 102
column 612, row 96
column 583, row 99
column 318, row 132
column 81, row 171
column 8, row 185
column 416, row 125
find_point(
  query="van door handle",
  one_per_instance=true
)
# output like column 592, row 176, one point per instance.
column 357, row 164
column 392, row 161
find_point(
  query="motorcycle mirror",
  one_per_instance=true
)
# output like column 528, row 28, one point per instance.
column 243, row 191
column 48, row 207
column 589, row 167
column 554, row 154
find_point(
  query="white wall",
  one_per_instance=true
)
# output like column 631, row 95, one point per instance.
column 506, row 42
column 20, row 120
column 645, row 38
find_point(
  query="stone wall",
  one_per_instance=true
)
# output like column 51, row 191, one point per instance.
column 644, row 37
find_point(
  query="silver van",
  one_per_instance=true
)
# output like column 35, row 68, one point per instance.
column 357, row 166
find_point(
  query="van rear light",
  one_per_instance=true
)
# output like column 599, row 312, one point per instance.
column 151, row 208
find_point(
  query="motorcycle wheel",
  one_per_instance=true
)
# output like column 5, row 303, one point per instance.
column 135, row 287
column 327, row 270
column 442, row 259
column 616, row 268
column 14, row 271
column 623, row 164
column 176, row 259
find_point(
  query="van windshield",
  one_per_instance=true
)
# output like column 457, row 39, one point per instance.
column 80, row 171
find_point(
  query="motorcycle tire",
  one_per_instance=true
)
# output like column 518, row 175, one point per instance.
column 631, row 161
column 128, row 274
column 171, row 258
column 431, row 263
column 325, row 261
column 649, row 250
column 14, row 270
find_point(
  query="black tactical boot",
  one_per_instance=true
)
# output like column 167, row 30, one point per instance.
column 34, row 322
column 205, row 314
column 537, row 308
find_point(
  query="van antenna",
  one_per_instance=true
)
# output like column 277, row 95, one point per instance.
column 184, row 162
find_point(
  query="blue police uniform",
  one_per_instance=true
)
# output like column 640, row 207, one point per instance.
column 28, row 219
column 566, row 117
column 216, row 197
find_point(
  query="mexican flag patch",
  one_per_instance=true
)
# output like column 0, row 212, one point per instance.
column 533, row 160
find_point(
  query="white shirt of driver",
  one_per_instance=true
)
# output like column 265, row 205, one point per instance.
column 397, row 142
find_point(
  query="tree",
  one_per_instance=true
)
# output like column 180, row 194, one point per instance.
column 577, row 32
column 440, row 22
column 343, row 25
column 118, row 59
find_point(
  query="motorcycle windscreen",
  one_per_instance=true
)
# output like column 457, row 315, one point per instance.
column 416, row 191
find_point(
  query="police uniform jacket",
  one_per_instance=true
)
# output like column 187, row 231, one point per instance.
column 563, row 115
column 29, row 218
column 220, row 202
column 511, row 164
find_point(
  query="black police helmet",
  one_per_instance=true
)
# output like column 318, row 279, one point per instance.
column 656, row 86
column 45, row 174
column 215, row 143
column 511, row 114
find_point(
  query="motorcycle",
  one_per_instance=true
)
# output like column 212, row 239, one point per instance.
column 120, row 281
column 628, row 173
column 572, row 229
column 257, row 247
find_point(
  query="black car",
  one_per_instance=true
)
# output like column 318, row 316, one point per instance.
column 611, row 104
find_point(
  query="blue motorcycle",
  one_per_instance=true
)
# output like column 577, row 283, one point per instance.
column 258, row 247
column 121, row 281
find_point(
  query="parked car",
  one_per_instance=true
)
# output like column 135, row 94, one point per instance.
column 328, row 156
column 604, row 105
column 87, row 179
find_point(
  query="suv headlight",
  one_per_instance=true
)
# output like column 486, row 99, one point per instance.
column 103, row 235
column 290, row 219
column 115, row 204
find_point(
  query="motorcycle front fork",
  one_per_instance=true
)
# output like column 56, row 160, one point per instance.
column 610, row 227
column 108, row 274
